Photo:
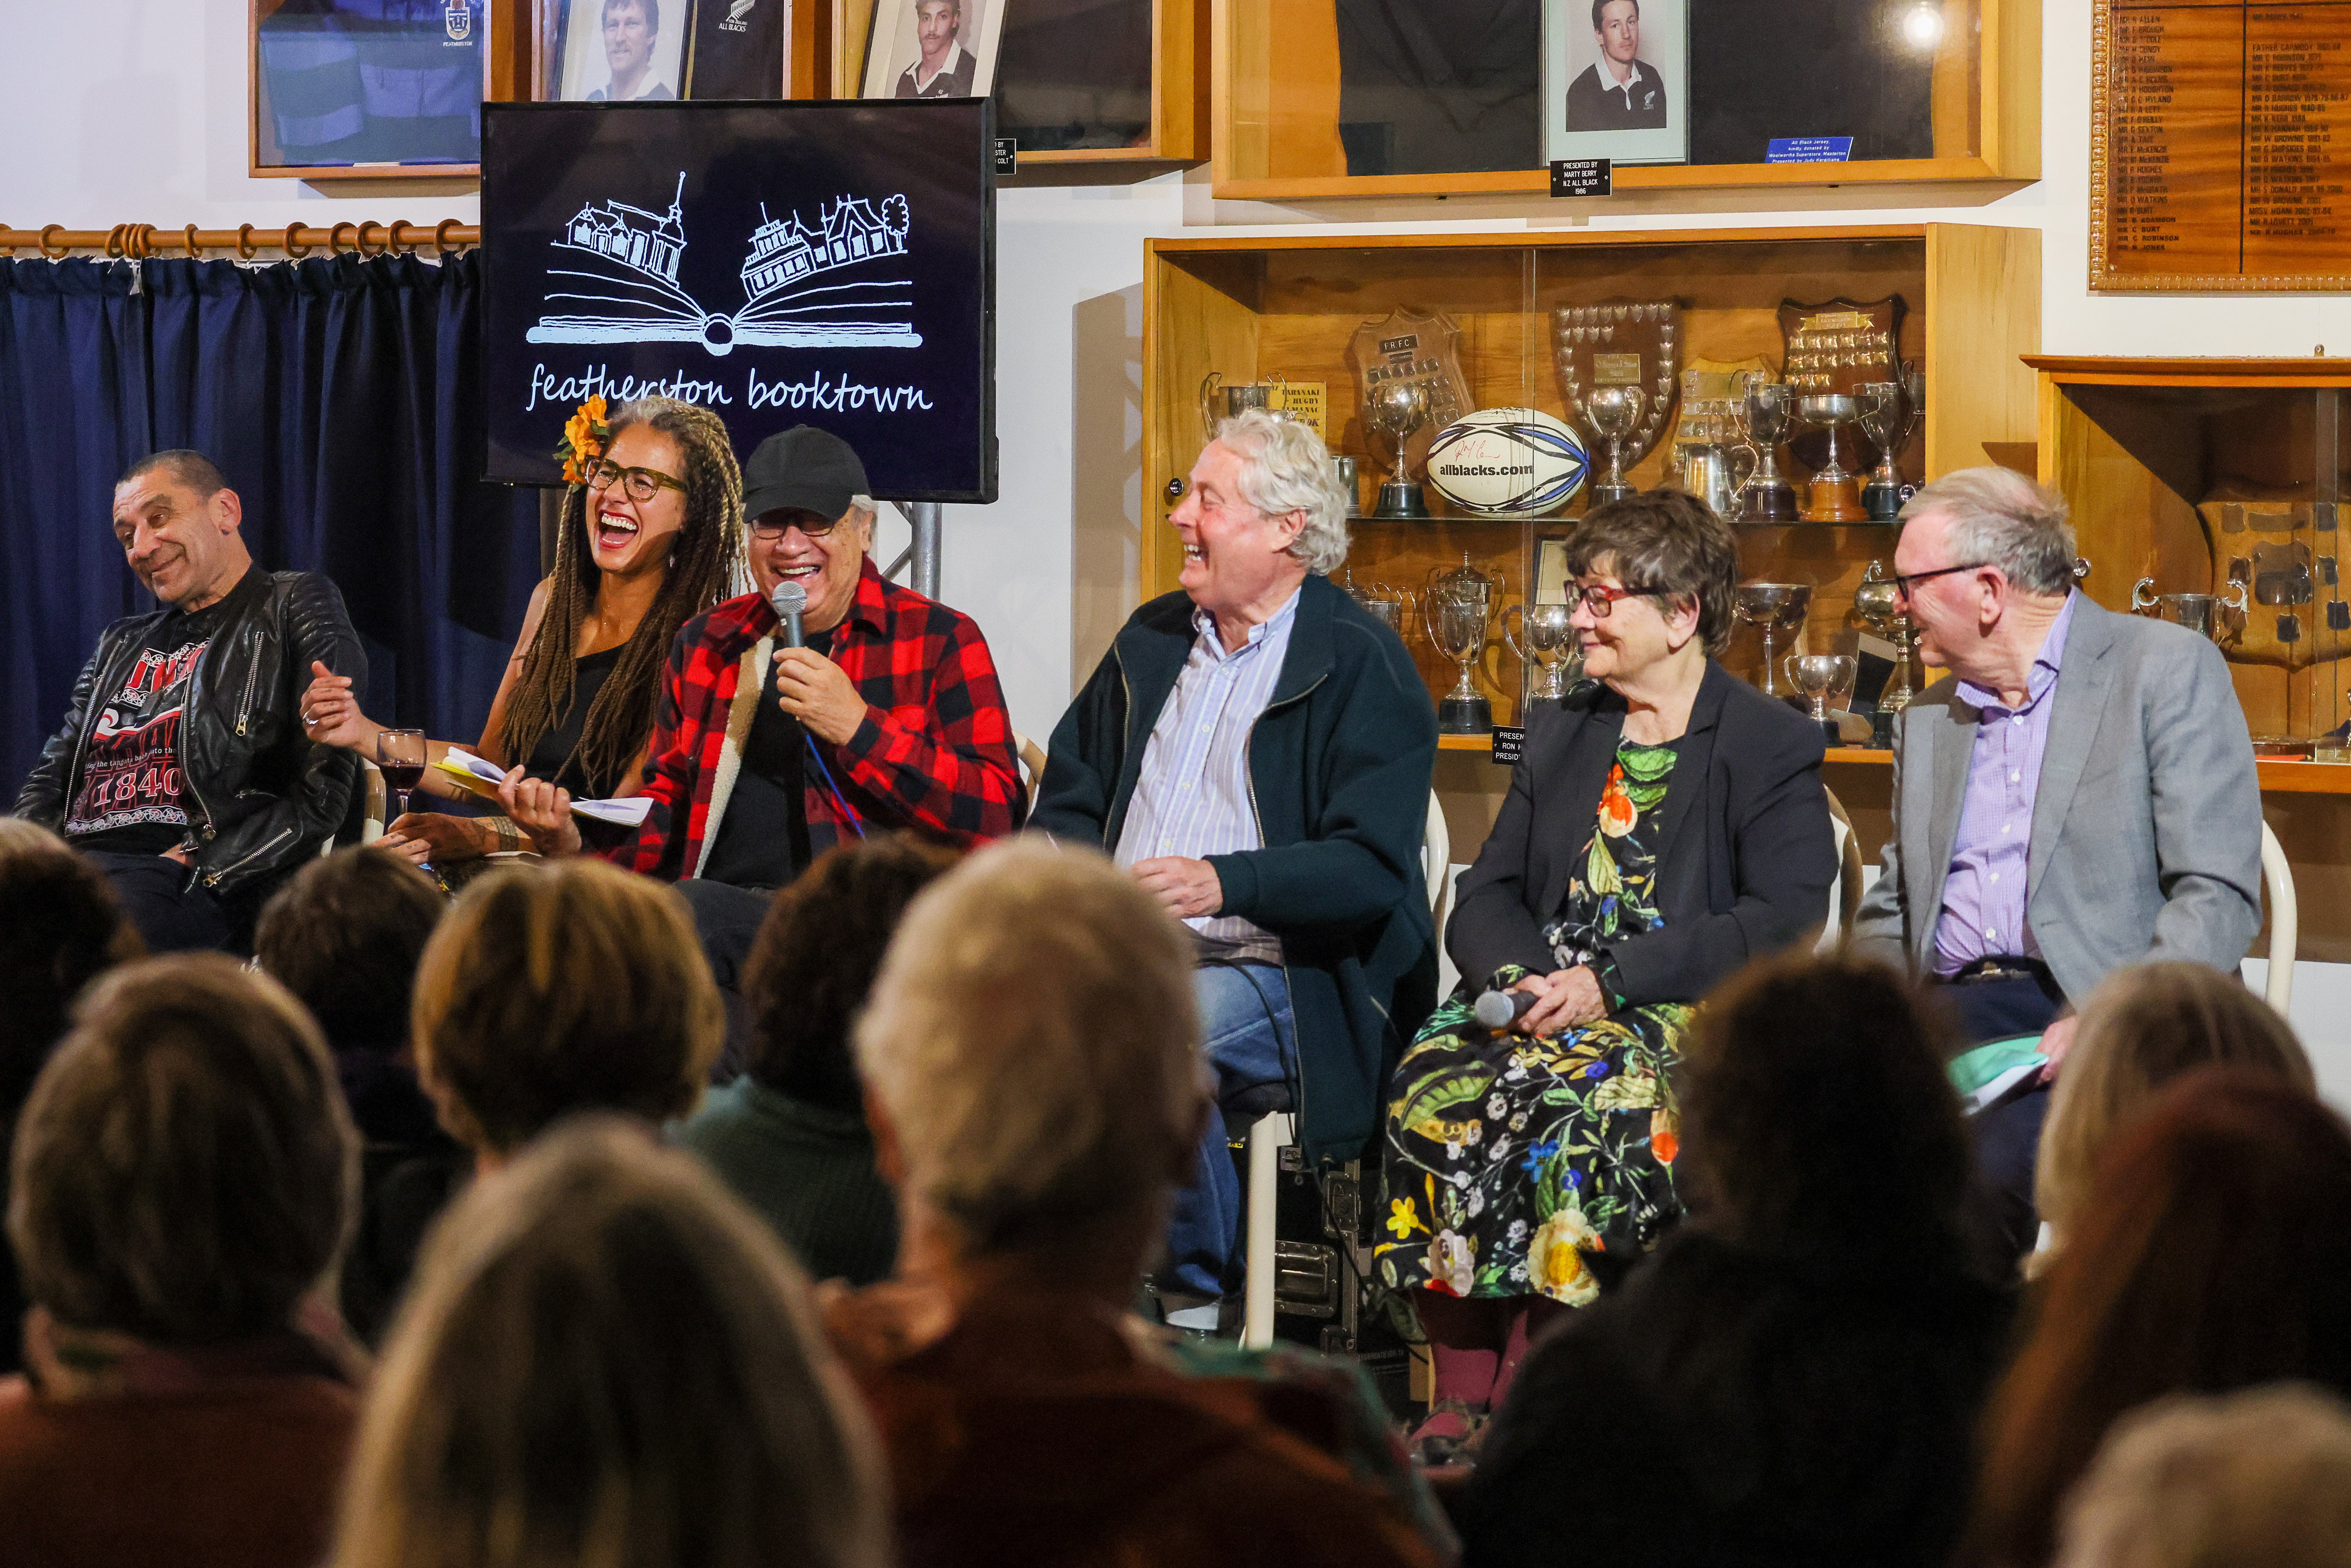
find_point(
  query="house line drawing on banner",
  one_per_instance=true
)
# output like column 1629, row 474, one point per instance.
column 800, row 284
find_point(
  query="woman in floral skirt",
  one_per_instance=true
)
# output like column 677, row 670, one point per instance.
column 1666, row 824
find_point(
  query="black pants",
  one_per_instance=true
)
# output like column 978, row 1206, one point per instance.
column 728, row 918
column 172, row 917
column 2007, row 1133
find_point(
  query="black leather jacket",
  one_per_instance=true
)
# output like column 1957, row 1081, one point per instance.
column 262, row 797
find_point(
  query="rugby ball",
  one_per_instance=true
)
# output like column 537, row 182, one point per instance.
column 1506, row 461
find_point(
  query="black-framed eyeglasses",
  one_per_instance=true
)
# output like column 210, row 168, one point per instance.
column 1904, row 582
column 773, row 525
column 1598, row 597
column 638, row 483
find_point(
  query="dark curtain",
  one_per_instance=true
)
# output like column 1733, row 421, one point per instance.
column 73, row 414
column 341, row 399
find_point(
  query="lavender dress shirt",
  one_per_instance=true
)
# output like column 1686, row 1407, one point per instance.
column 1193, row 794
column 1984, row 889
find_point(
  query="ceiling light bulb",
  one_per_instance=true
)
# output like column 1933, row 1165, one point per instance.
column 1923, row 26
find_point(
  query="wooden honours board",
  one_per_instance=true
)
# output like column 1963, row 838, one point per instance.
column 2220, row 145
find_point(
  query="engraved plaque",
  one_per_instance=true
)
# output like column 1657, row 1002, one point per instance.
column 1420, row 347
column 2220, row 146
column 1836, row 346
column 1620, row 345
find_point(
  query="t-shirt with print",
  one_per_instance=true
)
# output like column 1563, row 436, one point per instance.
column 129, row 797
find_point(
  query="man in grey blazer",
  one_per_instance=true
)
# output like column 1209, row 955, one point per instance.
column 2081, row 797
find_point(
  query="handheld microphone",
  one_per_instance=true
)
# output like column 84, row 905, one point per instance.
column 791, row 600
column 1498, row 1010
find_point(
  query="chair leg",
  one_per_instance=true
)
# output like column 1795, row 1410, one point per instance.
column 1267, row 1137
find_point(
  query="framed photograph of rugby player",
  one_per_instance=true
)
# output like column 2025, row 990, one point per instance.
column 321, row 108
column 621, row 51
column 933, row 48
column 1616, row 81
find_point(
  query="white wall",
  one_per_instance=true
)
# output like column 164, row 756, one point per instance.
column 134, row 112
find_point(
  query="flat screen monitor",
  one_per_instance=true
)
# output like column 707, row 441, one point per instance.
column 830, row 264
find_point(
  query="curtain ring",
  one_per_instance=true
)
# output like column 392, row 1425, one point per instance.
column 141, row 240
column 245, row 246
column 63, row 249
column 292, row 246
column 362, row 241
column 114, row 241
column 189, row 236
column 392, row 240
column 441, row 241
column 335, row 237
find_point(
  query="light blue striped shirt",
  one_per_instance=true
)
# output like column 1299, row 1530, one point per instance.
column 1193, row 797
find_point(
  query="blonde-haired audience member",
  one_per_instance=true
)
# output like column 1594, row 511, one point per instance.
column 1037, row 1090
column 183, row 1178
column 571, row 986
column 607, row 1360
column 2142, row 1028
column 2257, row 1479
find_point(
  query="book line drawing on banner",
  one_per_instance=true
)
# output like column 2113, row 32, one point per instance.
column 785, row 276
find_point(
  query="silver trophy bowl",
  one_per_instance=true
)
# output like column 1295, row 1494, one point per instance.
column 1819, row 676
column 1775, row 607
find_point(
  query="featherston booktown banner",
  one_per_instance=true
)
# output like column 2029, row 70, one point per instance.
column 821, row 263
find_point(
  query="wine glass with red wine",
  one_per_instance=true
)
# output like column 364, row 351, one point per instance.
column 401, row 754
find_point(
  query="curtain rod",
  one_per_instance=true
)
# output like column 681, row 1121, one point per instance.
column 138, row 241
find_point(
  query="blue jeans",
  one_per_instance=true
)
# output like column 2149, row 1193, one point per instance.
column 1252, row 1043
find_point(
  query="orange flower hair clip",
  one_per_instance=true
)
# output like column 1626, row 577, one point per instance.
column 585, row 435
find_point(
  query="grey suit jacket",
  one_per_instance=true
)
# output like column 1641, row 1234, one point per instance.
column 2146, row 827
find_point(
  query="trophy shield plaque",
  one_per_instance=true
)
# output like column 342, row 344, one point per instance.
column 1619, row 368
column 1834, row 348
column 1409, row 349
column 2281, row 546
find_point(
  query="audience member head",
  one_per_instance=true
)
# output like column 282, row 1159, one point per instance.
column 605, row 1359
column 185, row 1172
column 345, row 935
column 2257, row 1479
column 1817, row 1117
column 1032, row 1058
column 2141, row 1028
column 177, row 521
column 571, row 986
column 60, row 929
column 688, row 533
column 815, row 958
column 2211, row 1252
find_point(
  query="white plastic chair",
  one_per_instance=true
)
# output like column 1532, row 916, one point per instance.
column 2285, row 921
column 1844, row 893
column 1033, row 763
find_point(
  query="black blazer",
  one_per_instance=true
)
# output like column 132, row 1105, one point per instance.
column 1745, row 851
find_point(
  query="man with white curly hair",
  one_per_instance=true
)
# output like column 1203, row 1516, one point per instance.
column 1255, row 749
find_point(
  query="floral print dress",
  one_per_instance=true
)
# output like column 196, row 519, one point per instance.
column 1509, row 1157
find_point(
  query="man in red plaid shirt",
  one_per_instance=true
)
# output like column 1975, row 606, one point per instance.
column 889, row 718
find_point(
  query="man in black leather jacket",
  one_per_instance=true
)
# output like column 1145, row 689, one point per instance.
column 182, row 768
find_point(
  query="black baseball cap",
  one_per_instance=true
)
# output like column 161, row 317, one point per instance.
column 802, row 469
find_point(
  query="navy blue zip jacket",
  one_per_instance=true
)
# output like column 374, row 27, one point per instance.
column 1339, row 767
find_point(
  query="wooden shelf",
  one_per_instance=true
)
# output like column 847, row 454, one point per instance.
column 1248, row 307
column 1275, row 96
column 2113, row 370
column 1867, row 755
column 2280, row 775
column 2191, row 472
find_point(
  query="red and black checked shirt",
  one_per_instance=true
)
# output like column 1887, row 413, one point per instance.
column 934, row 753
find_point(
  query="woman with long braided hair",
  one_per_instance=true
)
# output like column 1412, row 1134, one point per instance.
column 652, row 536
